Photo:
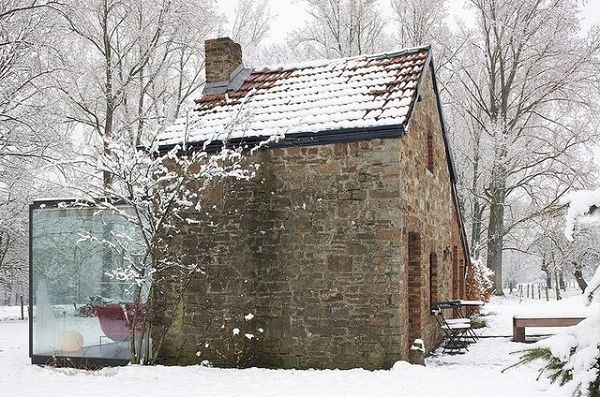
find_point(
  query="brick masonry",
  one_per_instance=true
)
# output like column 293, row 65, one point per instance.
column 317, row 247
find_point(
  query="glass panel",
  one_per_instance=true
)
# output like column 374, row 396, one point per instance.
column 79, row 310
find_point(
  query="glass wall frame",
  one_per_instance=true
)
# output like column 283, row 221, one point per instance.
column 80, row 309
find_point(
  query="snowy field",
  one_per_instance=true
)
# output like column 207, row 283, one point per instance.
column 12, row 313
column 476, row 373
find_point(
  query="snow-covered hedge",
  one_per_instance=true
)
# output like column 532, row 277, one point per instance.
column 479, row 284
column 582, row 204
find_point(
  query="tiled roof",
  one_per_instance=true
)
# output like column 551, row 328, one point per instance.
column 359, row 92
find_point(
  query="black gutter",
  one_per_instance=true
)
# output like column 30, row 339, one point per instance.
column 449, row 154
column 298, row 139
column 451, row 167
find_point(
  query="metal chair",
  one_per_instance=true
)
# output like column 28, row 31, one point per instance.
column 456, row 307
column 455, row 331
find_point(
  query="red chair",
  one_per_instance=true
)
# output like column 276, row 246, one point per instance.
column 113, row 322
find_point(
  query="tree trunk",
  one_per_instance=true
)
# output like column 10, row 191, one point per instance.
column 495, row 243
column 561, row 281
column 557, row 284
column 546, row 270
column 476, row 223
column 106, row 136
column 107, row 256
column 578, row 274
column 477, row 214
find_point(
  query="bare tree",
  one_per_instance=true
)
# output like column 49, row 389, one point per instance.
column 340, row 28
column 578, row 368
column 421, row 21
column 29, row 123
column 425, row 22
column 150, row 60
column 524, row 97
column 251, row 22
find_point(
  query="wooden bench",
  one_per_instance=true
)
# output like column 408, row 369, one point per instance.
column 520, row 323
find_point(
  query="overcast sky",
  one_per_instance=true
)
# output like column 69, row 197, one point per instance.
column 291, row 14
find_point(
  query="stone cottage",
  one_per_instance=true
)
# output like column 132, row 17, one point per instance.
column 351, row 230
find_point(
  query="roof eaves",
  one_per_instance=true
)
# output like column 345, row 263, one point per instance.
column 298, row 139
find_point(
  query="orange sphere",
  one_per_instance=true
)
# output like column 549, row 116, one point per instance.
column 70, row 341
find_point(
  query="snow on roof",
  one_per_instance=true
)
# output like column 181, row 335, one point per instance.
column 359, row 92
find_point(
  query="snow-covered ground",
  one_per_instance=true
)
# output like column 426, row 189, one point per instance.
column 476, row 373
column 12, row 312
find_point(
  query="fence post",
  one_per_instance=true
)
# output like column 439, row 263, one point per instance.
column 22, row 309
column 547, row 298
column 520, row 293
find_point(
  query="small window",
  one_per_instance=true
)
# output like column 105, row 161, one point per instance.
column 433, row 280
column 430, row 151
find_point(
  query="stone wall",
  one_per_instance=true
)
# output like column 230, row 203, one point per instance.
column 429, row 212
column 316, row 248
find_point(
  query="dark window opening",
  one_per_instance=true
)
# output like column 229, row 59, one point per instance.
column 433, row 280
column 430, row 151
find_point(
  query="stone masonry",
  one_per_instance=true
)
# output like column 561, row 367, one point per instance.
column 330, row 248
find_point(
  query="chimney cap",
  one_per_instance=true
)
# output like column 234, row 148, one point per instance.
column 224, row 38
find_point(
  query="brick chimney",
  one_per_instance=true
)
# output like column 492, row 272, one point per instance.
column 222, row 57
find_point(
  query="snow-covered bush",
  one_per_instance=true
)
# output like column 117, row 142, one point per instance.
column 573, row 356
column 479, row 283
column 583, row 205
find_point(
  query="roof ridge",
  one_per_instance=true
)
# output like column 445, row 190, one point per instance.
column 403, row 51
column 326, row 61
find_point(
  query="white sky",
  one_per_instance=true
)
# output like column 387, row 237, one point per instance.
column 291, row 14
